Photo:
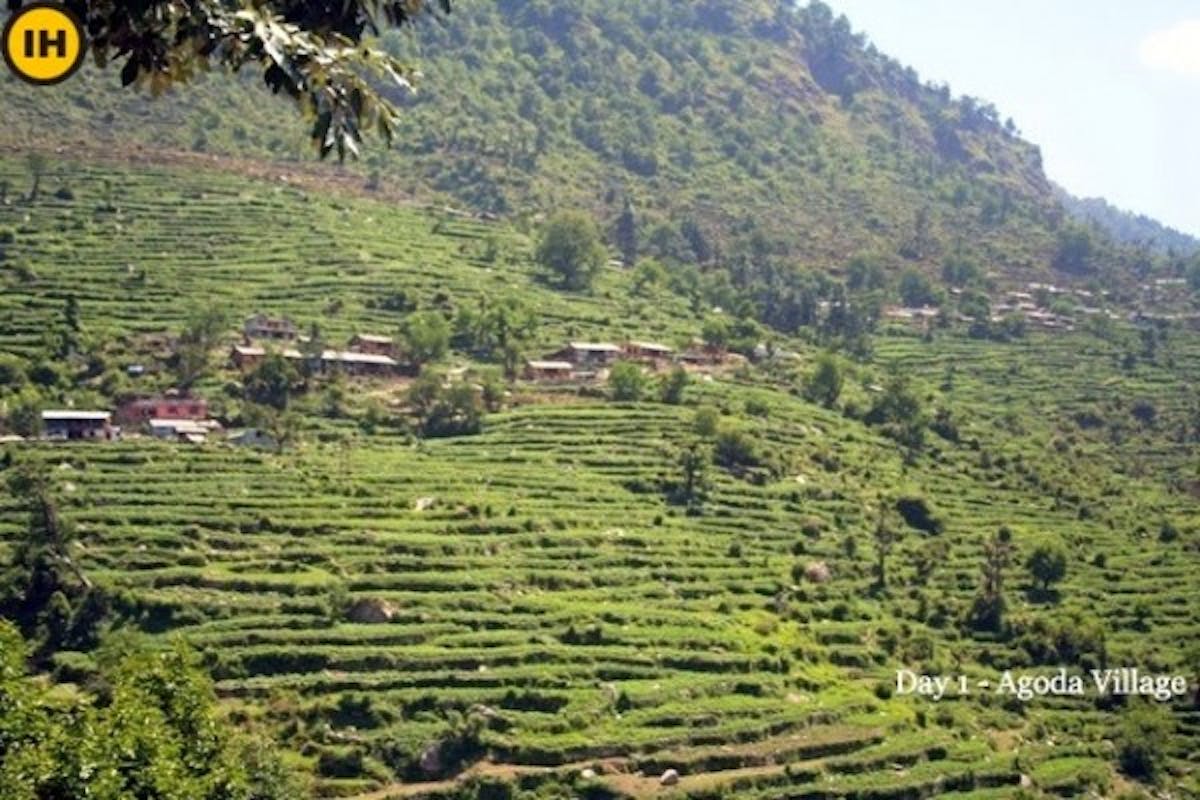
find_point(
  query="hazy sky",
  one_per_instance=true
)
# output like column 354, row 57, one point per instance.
column 1110, row 89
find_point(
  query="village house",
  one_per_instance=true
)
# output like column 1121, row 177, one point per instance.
column 73, row 425
column 182, row 430
column 246, row 357
column 922, row 316
column 261, row 326
column 700, row 354
column 373, row 344
column 549, row 370
column 172, row 405
column 353, row 363
column 589, row 355
column 651, row 353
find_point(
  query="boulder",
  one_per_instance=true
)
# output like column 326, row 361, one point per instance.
column 817, row 572
column 669, row 778
column 431, row 759
column 372, row 611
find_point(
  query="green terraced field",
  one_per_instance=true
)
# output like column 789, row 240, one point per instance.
column 538, row 585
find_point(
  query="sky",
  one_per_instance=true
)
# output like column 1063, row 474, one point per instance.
column 1110, row 89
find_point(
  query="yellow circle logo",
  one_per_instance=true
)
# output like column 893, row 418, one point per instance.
column 43, row 43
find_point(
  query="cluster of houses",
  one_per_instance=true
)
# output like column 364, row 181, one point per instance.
column 1163, row 299
column 582, row 361
column 366, row 354
column 172, row 416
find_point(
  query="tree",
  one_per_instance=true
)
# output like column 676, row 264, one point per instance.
column 272, row 382
column 626, row 234
column 987, row 612
column 1075, row 250
column 866, row 273
column 157, row 733
column 886, row 536
column 917, row 290
column 498, row 330
column 443, row 408
column 200, row 336
column 43, row 588
column 824, row 384
column 1144, row 731
column 715, row 333
column 674, row 384
column 36, row 163
column 572, row 249
column 426, row 337
column 281, row 425
column 706, row 422
column 691, row 489
column 71, row 326
column 628, row 381
column 735, row 450
column 1047, row 564
column 318, row 54
column 898, row 411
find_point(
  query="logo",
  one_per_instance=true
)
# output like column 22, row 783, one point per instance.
column 43, row 43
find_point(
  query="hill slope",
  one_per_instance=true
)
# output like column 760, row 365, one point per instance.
column 740, row 130
column 535, row 605
column 1128, row 227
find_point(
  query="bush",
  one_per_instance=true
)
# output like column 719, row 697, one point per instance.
column 734, row 449
column 674, row 385
column 824, row 384
column 627, row 381
column 918, row 514
column 706, row 422
column 1142, row 739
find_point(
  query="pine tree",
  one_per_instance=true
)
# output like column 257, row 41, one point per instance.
column 627, row 239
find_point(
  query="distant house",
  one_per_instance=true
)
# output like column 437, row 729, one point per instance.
column 172, row 405
column 182, row 430
column 700, row 354
column 649, row 352
column 246, row 356
column 261, row 326
column 78, row 425
column 358, row 363
column 252, row 437
column 373, row 344
column 548, row 370
column 135, row 370
column 589, row 355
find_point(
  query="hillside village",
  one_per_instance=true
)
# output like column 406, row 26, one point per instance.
column 182, row 416
column 678, row 381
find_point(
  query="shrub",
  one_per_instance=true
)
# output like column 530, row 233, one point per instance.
column 734, row 450
column 627, row 381
column 918, row 514
column 1142, row 739
column 706, row 422
column 674, row 385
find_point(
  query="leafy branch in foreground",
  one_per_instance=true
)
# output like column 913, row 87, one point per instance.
column 317, row 53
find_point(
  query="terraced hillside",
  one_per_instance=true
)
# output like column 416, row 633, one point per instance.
column 730, row 124
column 523, row 611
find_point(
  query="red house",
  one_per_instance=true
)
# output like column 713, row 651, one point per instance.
column 139, row 410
